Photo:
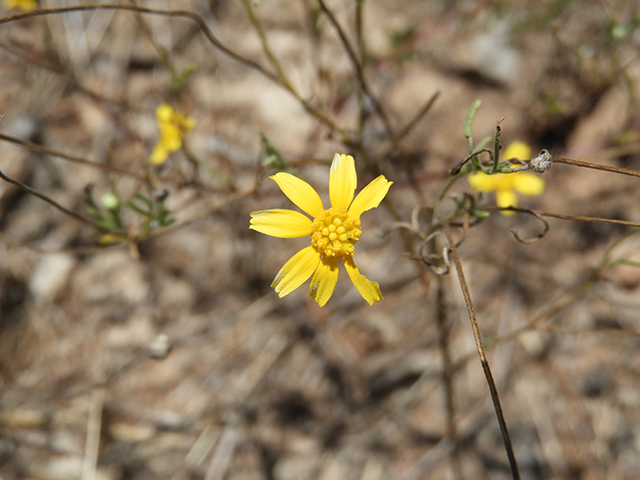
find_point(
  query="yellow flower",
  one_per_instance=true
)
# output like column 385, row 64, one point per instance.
column 26, row 5
column 506, row 184
column 173, row 127
column 333, row 231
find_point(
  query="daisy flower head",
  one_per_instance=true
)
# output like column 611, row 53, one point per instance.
column 26, row 5
column 333, row 232
column 173, row 126
column 507, row 184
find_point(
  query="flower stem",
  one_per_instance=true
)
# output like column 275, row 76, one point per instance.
column 595, row 166
column 506, row 438
column 496, row 148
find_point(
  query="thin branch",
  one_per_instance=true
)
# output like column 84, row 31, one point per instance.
column 51, row 202
column 587, row 219
column 581, row 331
column 576, row 218
column 496, row 147
column 569, row 297
column 281, row 74
column 70, row 158
column 559, row 305
column 545, row 229
column 447, row 375
column 483, row 358
column 34, row 59
column 206, row 32
column 206, row 213
column 457, row 168
column 362, row 51
column 419, row 116
column 275, row 63
column 167, row 13
column 357, row 65
column 83, row 250
column 595, row 166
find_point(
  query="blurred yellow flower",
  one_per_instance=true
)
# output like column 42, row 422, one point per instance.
column 173, row 127
column 334, row 231
column 26, row 5
column 506, row 184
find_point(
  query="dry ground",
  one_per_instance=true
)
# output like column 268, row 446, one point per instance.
column 171, row 358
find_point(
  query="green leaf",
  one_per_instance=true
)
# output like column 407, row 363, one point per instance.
column 480, row 213
column 483, row 143
column 178, row 81
column 137, row 209
column 274, row 158
column 503, row 168
column 496, row 149
column 399, row 38
column 469, row 118
column 144, row 198
column 623, row 261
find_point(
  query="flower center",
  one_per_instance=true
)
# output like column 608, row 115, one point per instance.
column 334, row 233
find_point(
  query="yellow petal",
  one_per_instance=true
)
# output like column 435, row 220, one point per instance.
column 483, row 182
column 159, row 154
column 171, row 137
column 528, row 183
column 188, row 123
column 324, row 280
column 164, row 113
column 507, row 198
column 299, row 192
column 296, row 271
column 109, row 238
column 370, row 196
column 518, row 150
column 342, row 181
column 369, row 290
column 26, row 5
column 280, row 223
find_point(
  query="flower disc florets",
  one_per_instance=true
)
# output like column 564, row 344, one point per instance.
column 334, row 233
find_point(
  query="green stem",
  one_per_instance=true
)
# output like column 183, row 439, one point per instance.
column 496, row 149
column 267, row 49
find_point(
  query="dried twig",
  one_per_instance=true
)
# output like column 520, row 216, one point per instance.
column 596, row 166
column 561, row 216
column 71, row 158
column 447, row 375
column 151, row 11
column 419, row 116
column 357, row 65
column 506, row 438
column 206, row 213
column 206, row 31
column 92, row 442
column 51, row 202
